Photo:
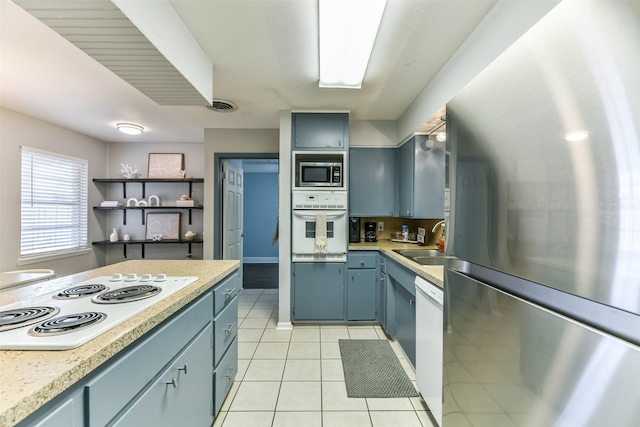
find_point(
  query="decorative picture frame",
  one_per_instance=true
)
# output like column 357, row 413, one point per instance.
column 166, row 224
column 165, row 165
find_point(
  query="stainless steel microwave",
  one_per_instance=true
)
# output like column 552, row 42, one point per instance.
column 319, row 174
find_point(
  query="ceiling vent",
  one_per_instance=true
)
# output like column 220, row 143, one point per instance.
column 222, row 106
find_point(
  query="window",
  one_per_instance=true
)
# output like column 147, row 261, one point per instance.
column 53, row 204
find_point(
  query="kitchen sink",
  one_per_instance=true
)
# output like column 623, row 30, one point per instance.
column 424, row 256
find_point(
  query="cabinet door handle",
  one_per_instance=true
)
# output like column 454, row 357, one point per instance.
column 173, row 382
column 228, row 292
column 230, row 374
column 184, row 368
column 362, row 263
column 230, row 328
column 411, row 302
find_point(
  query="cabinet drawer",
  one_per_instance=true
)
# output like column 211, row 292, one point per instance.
column 362, row 259
column 180, row 391
column 225, row 291
column 224, row 375
column 225, row 327
column 119, row 383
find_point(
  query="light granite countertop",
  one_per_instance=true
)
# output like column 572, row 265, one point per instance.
column 431, row 273
column 29, row 379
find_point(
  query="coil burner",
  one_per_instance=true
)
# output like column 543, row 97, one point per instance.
column 24, row 316
column 80, row 291
column 128, row 294
column 66, row 324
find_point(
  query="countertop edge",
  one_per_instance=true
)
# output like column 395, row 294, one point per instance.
column 99, row 350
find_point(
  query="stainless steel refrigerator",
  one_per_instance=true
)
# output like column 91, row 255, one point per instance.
column 542, row 303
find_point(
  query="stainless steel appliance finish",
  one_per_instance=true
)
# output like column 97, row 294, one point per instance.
column 307, row 205
column 319, row 170
column 71, row 322
column 543, row 311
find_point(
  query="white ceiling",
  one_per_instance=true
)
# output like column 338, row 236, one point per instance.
column 265, row 57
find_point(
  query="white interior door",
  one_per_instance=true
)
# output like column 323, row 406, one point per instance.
column 232, row 211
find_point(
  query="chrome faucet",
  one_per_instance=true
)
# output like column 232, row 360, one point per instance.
column 438, row 224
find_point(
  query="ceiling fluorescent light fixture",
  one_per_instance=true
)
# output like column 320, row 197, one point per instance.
column 348, row 29
column 130, row 128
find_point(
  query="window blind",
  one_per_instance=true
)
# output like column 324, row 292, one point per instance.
column 54, row 200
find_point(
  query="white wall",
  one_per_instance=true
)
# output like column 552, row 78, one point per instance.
column 16, row 130
column 503, row 25
column 137, row 154
column 373, row 133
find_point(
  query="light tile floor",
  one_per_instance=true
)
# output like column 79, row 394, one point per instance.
column 294, row 378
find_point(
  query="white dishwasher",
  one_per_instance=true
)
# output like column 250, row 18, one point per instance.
column 429, row 335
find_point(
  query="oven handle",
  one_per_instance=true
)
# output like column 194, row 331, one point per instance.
column 310, row 215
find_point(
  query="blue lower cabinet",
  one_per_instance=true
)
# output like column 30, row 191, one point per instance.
column 400, row 307
column 382, row 292
column 224, row 375
column 182, row 391
column 361, row 294
column 179, row 372
column 405, row 320
column 67, row 413
column 362, row 286
column 318, row 291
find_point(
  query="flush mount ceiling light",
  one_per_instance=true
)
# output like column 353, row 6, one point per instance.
column 348, row 29
column 130, row 128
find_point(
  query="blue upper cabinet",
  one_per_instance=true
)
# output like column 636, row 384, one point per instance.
column 421, row 174
column 372, row 177
column 320, row 131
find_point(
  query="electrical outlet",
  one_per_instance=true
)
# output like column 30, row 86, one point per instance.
column 380, row 226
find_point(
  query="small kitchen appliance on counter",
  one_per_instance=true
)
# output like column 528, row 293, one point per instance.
column 354, row 230
column 370, row 232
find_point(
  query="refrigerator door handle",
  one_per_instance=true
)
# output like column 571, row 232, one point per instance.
column 619, row 323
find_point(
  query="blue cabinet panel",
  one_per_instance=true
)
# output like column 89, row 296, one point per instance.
column 225, row 291
column 224, row 375
column 318, row 291
column 362, row 285
column 225, row 329
column 405, row 320
column 362, row 259
column 142, row 363
column 181, row 392
column 317, row 131
column 372, row 178
column 421, row 174
column 405, row 178
column 361, row 294
column 400, row 317
column 382, row 292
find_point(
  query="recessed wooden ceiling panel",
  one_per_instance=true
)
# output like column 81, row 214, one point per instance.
column 103, row 32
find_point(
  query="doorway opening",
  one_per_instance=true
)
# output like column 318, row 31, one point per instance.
column 246, row 215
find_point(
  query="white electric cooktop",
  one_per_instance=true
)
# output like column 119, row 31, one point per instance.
column 71, row 317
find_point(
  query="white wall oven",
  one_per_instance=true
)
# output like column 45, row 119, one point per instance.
column 319, row 170
column 319, row 226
